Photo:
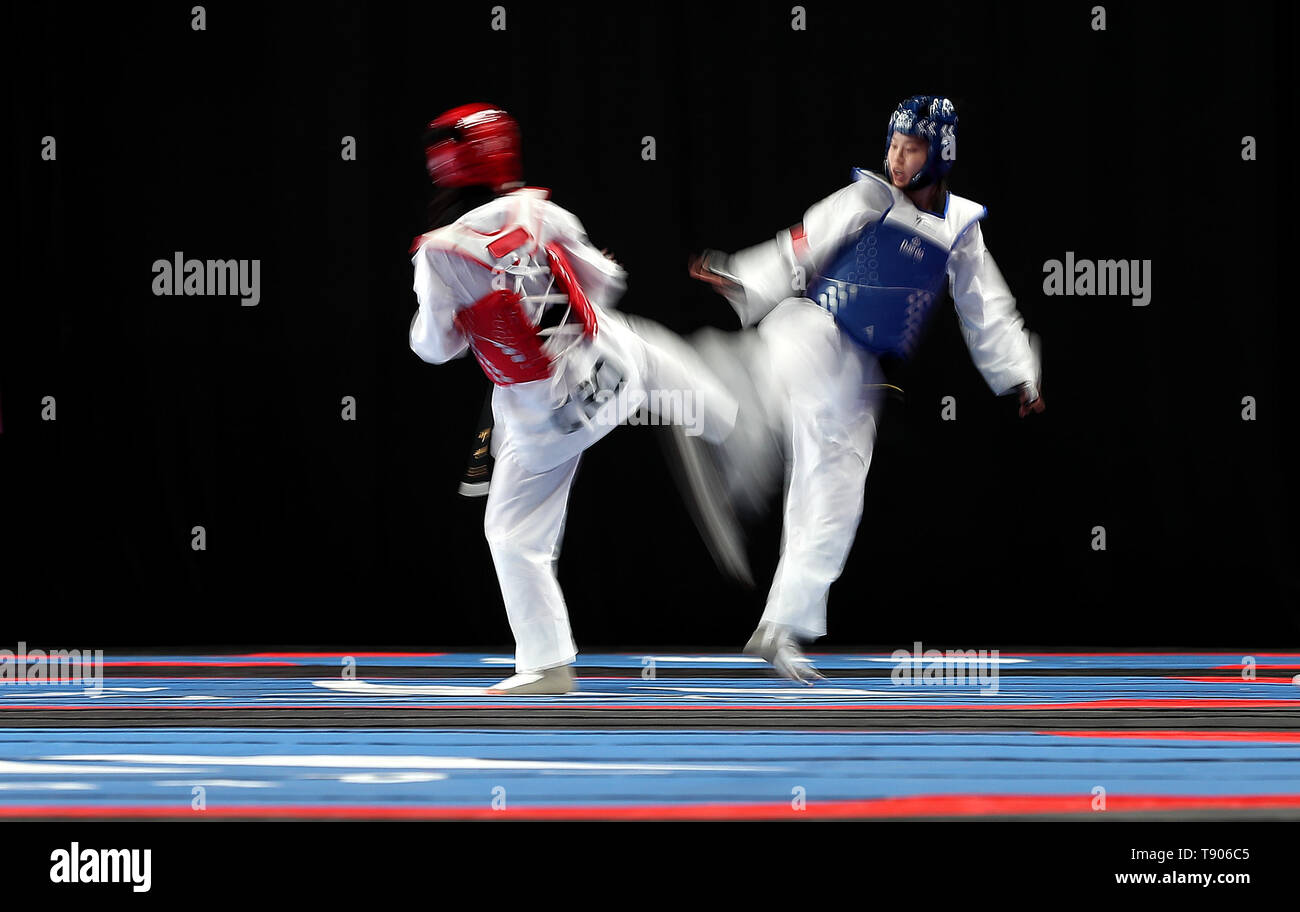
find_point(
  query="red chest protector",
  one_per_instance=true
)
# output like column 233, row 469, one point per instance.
column 508, row 346
column 503, row 339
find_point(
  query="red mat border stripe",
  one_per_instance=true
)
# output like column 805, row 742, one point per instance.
column 912, row 806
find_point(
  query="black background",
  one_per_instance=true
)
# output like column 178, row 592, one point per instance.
column 225, row 143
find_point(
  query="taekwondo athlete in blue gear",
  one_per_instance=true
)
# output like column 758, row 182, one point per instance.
column 876, row 256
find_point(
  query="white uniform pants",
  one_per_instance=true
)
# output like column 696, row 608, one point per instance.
column 524, row 521
column 820, row 380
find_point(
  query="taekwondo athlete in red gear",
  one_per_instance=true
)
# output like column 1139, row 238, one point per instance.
column 489, row 283
column 875, row 256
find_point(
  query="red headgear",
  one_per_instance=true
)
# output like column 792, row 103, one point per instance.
column 473, row 145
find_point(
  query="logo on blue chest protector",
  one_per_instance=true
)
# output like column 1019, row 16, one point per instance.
column 882, row 285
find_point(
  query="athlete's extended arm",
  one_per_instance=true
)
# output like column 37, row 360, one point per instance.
column 758, row 278
column 991, row 326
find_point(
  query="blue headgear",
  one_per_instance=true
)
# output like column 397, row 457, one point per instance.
column 932, row 118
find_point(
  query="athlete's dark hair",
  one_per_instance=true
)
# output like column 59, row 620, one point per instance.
column 942, row 193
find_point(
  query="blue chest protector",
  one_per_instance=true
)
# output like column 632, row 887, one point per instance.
column 882, row 284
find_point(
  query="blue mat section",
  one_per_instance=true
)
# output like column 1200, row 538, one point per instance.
column 74, row 766
column 401, row 767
